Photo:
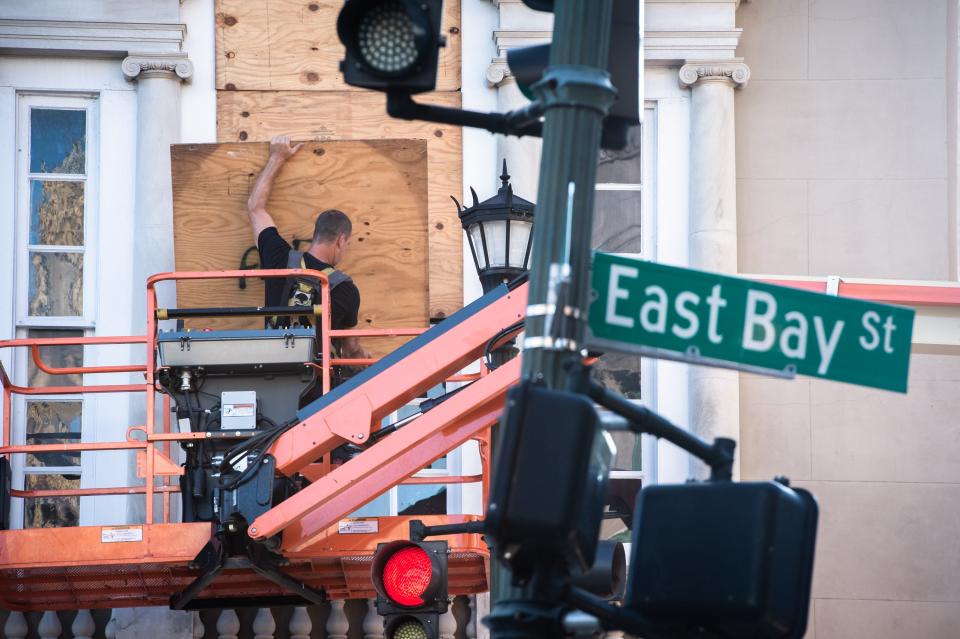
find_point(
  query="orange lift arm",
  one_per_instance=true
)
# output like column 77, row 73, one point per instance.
column 307, row 514
column 349, row 412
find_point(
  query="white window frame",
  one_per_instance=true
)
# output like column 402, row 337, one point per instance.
column 648, row 235
column 25, row 101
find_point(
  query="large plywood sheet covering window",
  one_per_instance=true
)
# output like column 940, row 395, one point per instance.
column 293, row 45
column 381, row 185
column 259, row 115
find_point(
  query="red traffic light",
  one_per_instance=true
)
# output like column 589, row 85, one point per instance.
column 410, row 576
column 406, row 576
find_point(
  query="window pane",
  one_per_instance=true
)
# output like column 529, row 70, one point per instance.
column 476, row 239
column 617, row 221
column 58, row 140
column 519, row 238
column 56, row 213
column 53, row 422
column 56, row 284
column 623, row 167
column 56, row 356
column 378, row 507
column 620, row 372
column 621, row 497
column 628, row 455
column 423, row 499
column 496, row 234
column 51, row 512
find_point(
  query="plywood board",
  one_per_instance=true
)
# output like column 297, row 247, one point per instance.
column 303, row 115
column 381, row 185
column 293, row 45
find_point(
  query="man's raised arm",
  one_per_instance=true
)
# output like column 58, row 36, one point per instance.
column 281, row 150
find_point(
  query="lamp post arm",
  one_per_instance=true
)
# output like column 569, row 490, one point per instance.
column 520, row 122
column 718, row 455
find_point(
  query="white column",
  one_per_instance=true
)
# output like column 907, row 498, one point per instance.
column 198, row 628
column 338, row 626
column 522, row 154
column 158, row 80
column 50, row 627
column 83, row 625
column 300, row 624
column 264, row 625
column 228, row 625
column 15, row 626
column 520, row 27
column 472, row 623
column 372, row 622
column 714, row 392
column 447, row 624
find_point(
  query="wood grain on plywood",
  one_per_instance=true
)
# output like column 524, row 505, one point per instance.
column 293, row 45
column 380, row 184
column 312, row 115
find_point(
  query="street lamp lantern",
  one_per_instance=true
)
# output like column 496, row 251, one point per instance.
column 500, row 231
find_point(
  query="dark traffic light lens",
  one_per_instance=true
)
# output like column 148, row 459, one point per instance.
column 386, row 38
column 406, row 576
column 411, row 629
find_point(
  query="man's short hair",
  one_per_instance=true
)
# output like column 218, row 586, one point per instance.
column 330, row 225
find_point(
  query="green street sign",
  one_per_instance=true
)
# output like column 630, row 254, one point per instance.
column 706, row 318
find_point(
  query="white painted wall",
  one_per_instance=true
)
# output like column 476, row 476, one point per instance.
column 198, row 97
column 91, row 10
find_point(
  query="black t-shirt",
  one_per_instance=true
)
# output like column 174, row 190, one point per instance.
column 345, row 298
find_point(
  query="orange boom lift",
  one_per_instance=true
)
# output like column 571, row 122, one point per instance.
column 331, row 458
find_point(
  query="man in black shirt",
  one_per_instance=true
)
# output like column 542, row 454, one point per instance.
column 331, row 238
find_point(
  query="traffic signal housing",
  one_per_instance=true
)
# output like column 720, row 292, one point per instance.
column 528, row 65
column 411, row 583
column 391, row 44
column 549, row 483
column 723, row 559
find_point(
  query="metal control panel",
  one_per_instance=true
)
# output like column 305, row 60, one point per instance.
column 238, row 410
column 238, row 351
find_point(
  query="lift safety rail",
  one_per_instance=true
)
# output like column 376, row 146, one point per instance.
column 331, row 458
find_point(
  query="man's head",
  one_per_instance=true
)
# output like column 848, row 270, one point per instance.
column 331, row 234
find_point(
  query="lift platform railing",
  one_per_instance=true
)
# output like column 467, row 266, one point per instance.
column 154, row 446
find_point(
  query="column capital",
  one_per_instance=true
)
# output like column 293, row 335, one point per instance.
column 174, row 66
column 498, row 73
column 733, row 71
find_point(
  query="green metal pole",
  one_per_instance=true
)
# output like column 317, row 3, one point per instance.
column 576, row 91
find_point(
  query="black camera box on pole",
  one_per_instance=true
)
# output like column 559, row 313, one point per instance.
column 549, row 480
column 735, row 559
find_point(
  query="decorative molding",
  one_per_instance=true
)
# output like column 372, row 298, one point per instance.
column 173, row 66
column 733, row 71
column 102, row 38
column 498, row 73
column 679, row 46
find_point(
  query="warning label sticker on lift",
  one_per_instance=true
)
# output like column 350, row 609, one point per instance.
column 113, row 534
column 358, row 526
